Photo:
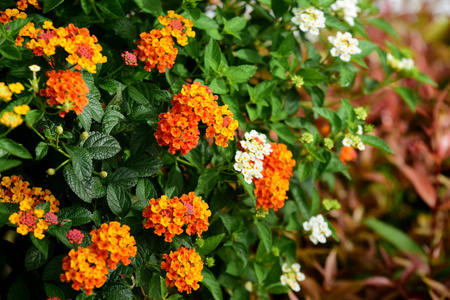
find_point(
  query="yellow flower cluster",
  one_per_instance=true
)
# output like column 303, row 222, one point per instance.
column 29, row 219
column 83, row 48
column 11, row 14
column 23, row 4
column 6, row 91
column 177, row 26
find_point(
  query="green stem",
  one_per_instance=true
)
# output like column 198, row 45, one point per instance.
column 6, row 133
column 117, row 70
column 96, row 12
column 61, row 165
column 38, row 133
column 51, row 144
column 185, row 162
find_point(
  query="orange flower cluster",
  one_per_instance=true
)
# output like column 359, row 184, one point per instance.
column 87, row 267
column 157, row 48
column 11, row 14
column 168, row 216
column 29, row 219
column 83, row 48
column 270, row 190
column 178, row 128
column 23, row 4
column 66, row 88
column 347, row 154
column 184, row 269
column 177, row 26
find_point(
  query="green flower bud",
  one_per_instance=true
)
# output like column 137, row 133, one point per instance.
column 234, row 236
column 275, row 251
column 51, row 172
column 59, row 130
column 84, row 136
column 361, row 113
column 210, row 262
column 307, row 137
column 298, row 81
column 329, row 143
column 331, row 204
column 200, row 242
column 103, row 174
column 261, row 213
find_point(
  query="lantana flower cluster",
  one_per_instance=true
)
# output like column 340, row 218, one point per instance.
column 87, row 267
column 309, row 20
column 67, row 89
column 11, row 14
column 82, row 48
column 348, row 9
column 157, row 48
column 344, row 45
column 168, row 216
column 184, row 269
column 270, row 190
column 23, row 4
column 12, row 119
column 178, row 128
column 249, row 161
column 319, row 229
column 399, row 65
column 29, row 219
column 291, row 276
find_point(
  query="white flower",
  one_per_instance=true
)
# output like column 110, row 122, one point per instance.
column 360, row 130
column 361, row 146
column 319, row 229
column 309, row 20
column 344, row 45
column 291, row 276
column 348, row 9
column 404, row 64
column 347, row 142
column 34, row 68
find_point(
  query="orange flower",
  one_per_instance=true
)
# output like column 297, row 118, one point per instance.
column 177, row 26
column 11, row 14
column 156, row 50
column 347, row 154
column 83, row 48
column 168, row 216
column 184, row 269
column 270, row 190
column 23, row 4
column 179, row 128
column 86, row 268
column 115, row 239
column 66, row 88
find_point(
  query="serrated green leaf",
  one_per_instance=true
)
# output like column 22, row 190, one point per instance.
column 33, row 116
column 10, row 51
column 43, row 245
column 331, row 117
column 111, row 7
column 347, row 75
column 249, row 55
column 82, row 188
column 241, row 73
column 53, row 290
column 207, row 181
column 101, row 146
column 118, row 200
column 304, row 170
column 136, row 95
column 312, row 76
column 34, row 259
column 144, row 164
column 124, row 177
column 81, row 162
column 78, row 215
column 144, row 192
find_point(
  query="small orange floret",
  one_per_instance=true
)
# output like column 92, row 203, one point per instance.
column 347, row 154
column 270, row 190
column 184, row 269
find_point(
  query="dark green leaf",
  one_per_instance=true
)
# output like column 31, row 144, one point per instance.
column 283, row 132
column 41, row 150
column 6, row 164
column 10, row 51
column 53, row 291
column 118, row 200
column 33, row 116
column 304, row 170
column 42, row 245
column 111, row 7
column 82, row 188
column 265, row 235
column 137, row 96
column 81, row 162
column 331, row 117
column 211, row 244
column 150, row 6
column 241, row 73
column 144, row 164
column 124, row 177
column 207, row 181
column 51, row 4
column 116, row 291
column 78, row 215
column 249, row 55
column 34, row 259
column 211, row 284
column 14, row 148
column 144, row 192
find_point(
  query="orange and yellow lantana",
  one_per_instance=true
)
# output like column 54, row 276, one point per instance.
column 184, row 269
column 11, row 14
column 270, row 190
column 168, row 216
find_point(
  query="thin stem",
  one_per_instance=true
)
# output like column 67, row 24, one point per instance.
column 62, row 165
column 117, row 70
column 6, row 133
column 185, row 162
column 96, row 12
column 38, row 133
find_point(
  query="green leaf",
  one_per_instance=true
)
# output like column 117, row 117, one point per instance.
column 118, row 200
column 7, row 209
column 334, row 22
column 203, row 22
column 265, row 234
column 304, row 170
column 383, row 25
column 212, row 56
column 211, row 244
column 424, row 78
column 101, row 146
column 18, row 290
column 331, row 117
column 260, row 271
column 33, row 116
column 393, row 235
column 111, row 7
column 408, row 96
column 78, row 215
column 234, row 26
column 6, row 164
column 60, row 232
column 312, row 76
column 283, row 132
column 279, row 7
column 150, row 6
column 154, row 288
column 286, row 47
column 51, row 4
column 82, row 188
column 207, row 181
column 124, row 177
column 42, row 245
column 53, row 291
column 261, row 91
column 376, row 142
column 241, row 73
column 143, row 275
column 116, row 291
column 248, row 187
column 53, row 269
column 34, row 258
column 144, row 164
column 300, row 200
column 144, row 192
column 249, row 55
column 41, row 150
column 347, row 75
column 136, row 95
column 14, row 148
column 10, row 51
column 211, row 284
column 219, row 86
column 81, row 162
column 366, row 48
column 111, row 118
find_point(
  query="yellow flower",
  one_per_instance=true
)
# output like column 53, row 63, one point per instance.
column 10, row 119
column 21, row 109
column 39, row 213
column 16, row 87
column 14, row 218
column 5, row 93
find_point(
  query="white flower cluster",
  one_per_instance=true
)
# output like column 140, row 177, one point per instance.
column 309, row 20
column 250, row 161
column 319, row 228
column 404, row 64
column 344, row 45
column 348, row 8
column 291, row 276
column 354, row 140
